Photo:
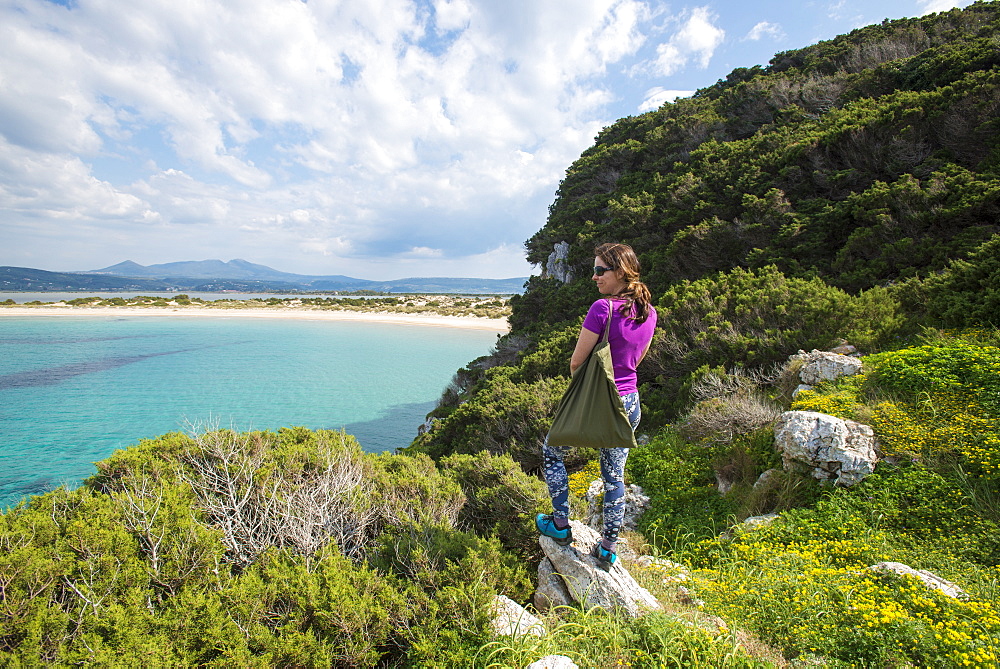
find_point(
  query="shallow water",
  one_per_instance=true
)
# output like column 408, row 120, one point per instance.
column 74, row 389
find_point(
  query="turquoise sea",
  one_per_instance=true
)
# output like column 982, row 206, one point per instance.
column 75, row 388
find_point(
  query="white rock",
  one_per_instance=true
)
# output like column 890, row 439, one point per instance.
column 765, row 479
column 557, row 264
column 931, row 580
column 820, row 366
column 672, row 572
column 753, row 522
column 614, row 590
column 750, row 524
column 553, row 662
column 800, row 388
column 828, row 446
column 511, row 619
column 685, row 597
column 551, row 590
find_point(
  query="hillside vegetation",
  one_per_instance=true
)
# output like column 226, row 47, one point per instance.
column 847, row 191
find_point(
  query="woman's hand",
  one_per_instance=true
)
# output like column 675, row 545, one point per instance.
column 584, row 345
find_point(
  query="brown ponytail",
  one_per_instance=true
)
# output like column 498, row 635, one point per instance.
column 621, row 257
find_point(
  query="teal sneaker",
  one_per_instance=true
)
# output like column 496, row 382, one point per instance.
column 605, row 558
column 547, row 526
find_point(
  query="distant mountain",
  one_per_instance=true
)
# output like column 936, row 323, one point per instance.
column 127, row 268
column 235, row 275
column 25, row 278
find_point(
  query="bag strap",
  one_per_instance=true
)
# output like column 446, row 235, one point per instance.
column 607, row 326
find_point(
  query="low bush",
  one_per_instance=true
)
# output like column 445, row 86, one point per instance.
column 804, row 584
column 292, row 548
column 752, row 320
column 595, row 639
column 967, row 293
column 935, row 402
column 680, row 481
column 501, row 500
column 506, row 417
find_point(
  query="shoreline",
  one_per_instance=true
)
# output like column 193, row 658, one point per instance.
column 433, row 320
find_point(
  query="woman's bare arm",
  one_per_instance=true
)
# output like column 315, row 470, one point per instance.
column 584, row 345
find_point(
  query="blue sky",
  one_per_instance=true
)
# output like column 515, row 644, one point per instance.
column 378, row 139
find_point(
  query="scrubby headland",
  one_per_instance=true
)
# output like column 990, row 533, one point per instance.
column 847, row 194
column 478, row 307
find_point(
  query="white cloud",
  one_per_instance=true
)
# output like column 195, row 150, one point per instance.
column 230, row 117
column 452, row 14
column 307, row 133
column 933, row 6
column 697, row 38
column 423, row 252
column 765, row 29
column 656, row 97
column 60, row 188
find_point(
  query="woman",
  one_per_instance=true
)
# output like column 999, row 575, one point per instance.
column 633, row 319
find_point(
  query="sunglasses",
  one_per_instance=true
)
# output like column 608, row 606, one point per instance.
column 599, row 271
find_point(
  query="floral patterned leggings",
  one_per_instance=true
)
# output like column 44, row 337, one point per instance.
column 612, row 471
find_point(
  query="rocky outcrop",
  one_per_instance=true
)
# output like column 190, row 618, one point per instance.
column 671, row 572
column 826, row 446
column 932, row 581
column 636, row 503
column 749, row 525
column 557, row 266
column 552, row 591
column 511, row 619
column 820, row 366
column 588, row 584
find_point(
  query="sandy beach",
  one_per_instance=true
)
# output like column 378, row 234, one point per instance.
column 436, row 320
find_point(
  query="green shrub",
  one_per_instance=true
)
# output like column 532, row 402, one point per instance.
column 435, row 555
column 501, row 500
column 679, row 479
column 753, row 320
column 506, row 417
column 322, row 611
column 138, row 566
column 938, row 402
column 966, row 294
column 594, row 639
column 923, row 505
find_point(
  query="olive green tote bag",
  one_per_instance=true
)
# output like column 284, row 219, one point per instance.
column 591, row 413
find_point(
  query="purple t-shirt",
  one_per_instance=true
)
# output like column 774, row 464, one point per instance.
column 628, row 340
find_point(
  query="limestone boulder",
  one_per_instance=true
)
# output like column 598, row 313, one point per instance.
column 929, row 579
column 511, row 619
column 588, row 584
column 820, row 366
column 826, row 446
column 552, row 591
column 766, row 479
column 749, row 525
